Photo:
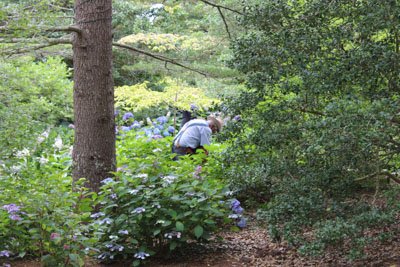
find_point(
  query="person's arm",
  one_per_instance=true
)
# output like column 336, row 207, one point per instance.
column 204, row 149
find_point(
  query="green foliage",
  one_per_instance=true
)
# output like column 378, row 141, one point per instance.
column 155, row 205
column 41, row 213
column 32, row 97
column 171, row 94
column 321, row 113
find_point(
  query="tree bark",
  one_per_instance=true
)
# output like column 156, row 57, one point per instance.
column 94, row 143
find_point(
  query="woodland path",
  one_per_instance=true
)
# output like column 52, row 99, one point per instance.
column 252, row 247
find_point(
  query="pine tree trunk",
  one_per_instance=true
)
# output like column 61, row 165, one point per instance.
column 94, row 145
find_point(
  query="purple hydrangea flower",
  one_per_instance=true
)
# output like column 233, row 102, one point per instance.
column 5, row 253
column 126, row 128
column 11, row 208
column 157, row 136
column 127, row 116
column 237, row 118
column 54, row 236
column 15, row 217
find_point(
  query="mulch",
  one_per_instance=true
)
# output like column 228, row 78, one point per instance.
column 252, row 246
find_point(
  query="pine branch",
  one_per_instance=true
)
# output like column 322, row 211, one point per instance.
column 159, row 57
column 49, row 42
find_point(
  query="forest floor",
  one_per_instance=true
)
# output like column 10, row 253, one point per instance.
column 253, row 247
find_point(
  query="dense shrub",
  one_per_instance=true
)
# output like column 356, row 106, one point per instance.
column 33, row 96
column 154, row 205
column 41, row 213
column 319, row 118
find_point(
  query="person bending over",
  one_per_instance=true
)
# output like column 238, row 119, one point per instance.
column 194, row 135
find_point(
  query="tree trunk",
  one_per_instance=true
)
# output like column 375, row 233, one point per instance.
column 94, row 145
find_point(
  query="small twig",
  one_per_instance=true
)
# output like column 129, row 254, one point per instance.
column 219, row 6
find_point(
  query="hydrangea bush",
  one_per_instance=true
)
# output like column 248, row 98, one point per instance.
column 155, row 205
column 42, row 213
column 151, row 205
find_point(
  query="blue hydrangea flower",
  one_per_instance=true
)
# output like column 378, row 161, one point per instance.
column 156, row 131
column 234, row 216
column 237, row 210
column 125, row 128
column 237, row 118
column 162, row 119
column 141, row 255
column 148, row 132
column 127, row 116
column 107, row 180
column 193, row 107
column 166, row 133
column 171, row 129
column 135, row 125
column 242, row 223
column 160, row 127
column 106, row 221
column 123, row 232
column 97, row 215
column 235, row 203
column 139, row 210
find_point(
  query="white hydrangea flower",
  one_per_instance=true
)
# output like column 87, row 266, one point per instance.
column 58, row 143
column 22, row 153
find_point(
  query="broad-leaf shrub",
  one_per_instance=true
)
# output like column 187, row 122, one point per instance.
column 42, row 213
column 155, row 205
column 33, row 95
column 148, row 103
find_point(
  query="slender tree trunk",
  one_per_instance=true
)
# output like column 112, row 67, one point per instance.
column 94, row 146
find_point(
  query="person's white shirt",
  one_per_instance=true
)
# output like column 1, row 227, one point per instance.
column 193, row 134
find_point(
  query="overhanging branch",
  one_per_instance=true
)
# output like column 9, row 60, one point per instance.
column 388, row 174
column 70, row 28
column 48, row 43
column 219, row 6
column 159, row 57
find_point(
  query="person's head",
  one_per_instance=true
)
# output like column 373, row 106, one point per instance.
column 215, row 124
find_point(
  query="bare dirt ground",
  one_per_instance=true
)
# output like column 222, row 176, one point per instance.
column 253, row 247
